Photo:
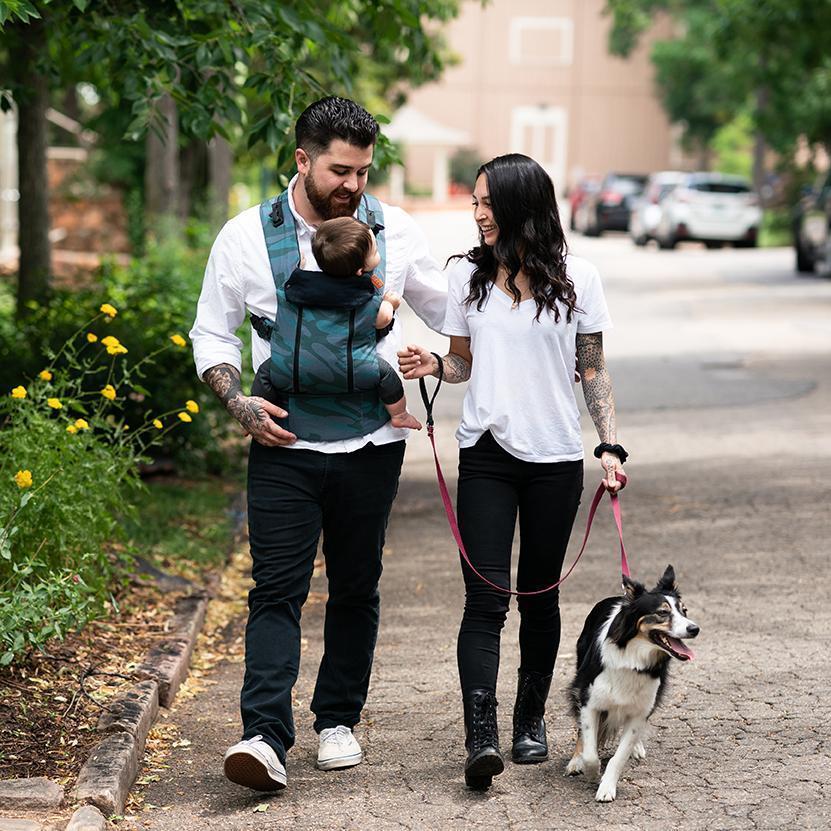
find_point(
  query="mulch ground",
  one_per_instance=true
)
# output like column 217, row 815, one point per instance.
column 51, row 703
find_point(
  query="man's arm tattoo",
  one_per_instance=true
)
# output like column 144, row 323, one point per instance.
column 224, row 380
column 597, row 385
column 456, row 369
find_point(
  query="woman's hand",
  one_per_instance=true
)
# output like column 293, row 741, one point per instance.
column 417, row 362
column 614, row 479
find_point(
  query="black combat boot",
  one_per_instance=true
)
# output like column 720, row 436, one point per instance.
column 530, row 745
column 484, row 761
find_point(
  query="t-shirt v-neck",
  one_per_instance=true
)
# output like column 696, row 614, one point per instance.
column 521, row 385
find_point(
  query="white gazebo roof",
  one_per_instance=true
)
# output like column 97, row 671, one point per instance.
column 413, row 127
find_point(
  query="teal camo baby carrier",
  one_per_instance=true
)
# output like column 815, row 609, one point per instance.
column 324, row 364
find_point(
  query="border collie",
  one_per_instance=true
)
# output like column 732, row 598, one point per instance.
column 623, row 657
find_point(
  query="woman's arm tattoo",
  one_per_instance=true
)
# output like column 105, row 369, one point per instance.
column 224, row 380
column 456, row 369
column 597, row 385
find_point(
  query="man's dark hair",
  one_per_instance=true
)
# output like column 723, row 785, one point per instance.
column 334, row 118
column 341, row 245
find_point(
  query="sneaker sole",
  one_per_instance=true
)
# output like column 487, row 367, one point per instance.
column 244, row 769
column 340, row 762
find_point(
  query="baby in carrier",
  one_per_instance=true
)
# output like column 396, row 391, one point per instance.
column 345, row 248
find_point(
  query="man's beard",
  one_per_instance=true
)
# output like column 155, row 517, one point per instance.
column 326, row 205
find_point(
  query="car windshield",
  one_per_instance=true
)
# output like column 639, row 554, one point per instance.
column 719, row 187
column 627, row 184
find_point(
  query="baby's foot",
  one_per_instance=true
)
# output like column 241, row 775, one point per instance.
column 406, row 420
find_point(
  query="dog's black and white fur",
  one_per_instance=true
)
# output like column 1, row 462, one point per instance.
column 623, row 657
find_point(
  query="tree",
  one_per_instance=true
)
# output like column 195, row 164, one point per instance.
column 768, row 57
column 246, row 67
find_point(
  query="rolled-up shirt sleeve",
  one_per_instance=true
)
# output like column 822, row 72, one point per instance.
column 221, row 307
column 425, row 285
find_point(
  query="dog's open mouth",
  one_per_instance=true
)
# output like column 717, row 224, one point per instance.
column 675, row 647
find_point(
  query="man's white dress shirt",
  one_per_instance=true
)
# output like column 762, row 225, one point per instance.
column 238, row 280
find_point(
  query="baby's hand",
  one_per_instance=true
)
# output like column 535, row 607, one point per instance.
column 393, row 298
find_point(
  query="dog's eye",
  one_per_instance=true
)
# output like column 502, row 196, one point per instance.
column 684, row 611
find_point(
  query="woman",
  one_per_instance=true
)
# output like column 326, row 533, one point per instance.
column 522, row 308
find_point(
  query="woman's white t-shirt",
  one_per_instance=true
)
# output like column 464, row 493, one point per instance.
column 521, row 384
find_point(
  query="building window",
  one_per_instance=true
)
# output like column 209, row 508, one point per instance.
column 541, row 41
column 541, row 132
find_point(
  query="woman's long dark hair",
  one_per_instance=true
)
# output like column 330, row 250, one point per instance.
column 530, row 237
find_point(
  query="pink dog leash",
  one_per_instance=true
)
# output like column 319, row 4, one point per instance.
column 454, row 525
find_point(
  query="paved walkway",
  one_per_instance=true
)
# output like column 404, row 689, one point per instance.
column 741, row 742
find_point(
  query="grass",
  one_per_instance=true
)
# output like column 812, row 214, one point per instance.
column 183, row 526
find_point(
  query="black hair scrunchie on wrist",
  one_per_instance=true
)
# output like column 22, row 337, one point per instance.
column 616, row 449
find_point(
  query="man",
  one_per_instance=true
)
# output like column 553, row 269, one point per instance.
column 298, row 488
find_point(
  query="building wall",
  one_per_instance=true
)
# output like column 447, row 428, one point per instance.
column 535, row 77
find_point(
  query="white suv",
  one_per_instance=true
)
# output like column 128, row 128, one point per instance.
column 712, row 208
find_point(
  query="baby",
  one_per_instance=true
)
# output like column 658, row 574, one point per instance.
column 345, row 247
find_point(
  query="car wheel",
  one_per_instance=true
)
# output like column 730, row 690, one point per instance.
column 667, row 243
column 640, row 240
column 804, row 262
column 712, row 244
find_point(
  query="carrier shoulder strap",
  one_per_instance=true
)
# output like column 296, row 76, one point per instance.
column 280, row 238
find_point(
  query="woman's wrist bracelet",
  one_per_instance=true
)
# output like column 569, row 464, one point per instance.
column 615, row 449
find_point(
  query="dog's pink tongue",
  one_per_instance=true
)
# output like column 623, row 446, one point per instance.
column 682, row 649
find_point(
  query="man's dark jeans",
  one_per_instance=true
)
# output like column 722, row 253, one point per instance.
column 293, row 495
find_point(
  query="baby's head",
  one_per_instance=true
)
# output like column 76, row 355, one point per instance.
column 345, row 246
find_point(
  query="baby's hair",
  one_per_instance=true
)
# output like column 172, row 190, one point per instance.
column 342, row 245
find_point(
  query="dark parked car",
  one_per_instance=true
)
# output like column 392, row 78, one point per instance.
column 812, row 229
column 608, row 209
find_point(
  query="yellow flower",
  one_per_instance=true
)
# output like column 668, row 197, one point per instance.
column 126, row 427
column 178, row 340
column 19, row 392
column 118, row 349
column 54, row 403
column 81, row 424
column 23, row 478
column 157, row 424
column 45, row 375
column 109, row 341
column 71, row 428
column 185, row 417
column 191, row 406
column 109, row 392
column 91, row 337
column 108, row 310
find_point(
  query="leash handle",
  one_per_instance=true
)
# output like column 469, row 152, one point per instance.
column 454, row 526
column 430, row 400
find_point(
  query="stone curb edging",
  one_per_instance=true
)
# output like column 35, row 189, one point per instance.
column 110, row 770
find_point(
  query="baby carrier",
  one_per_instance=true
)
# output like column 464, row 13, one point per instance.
column 324, row 366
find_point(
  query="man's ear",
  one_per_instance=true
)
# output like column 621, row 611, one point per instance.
column 303, row 161
column 632, row 589
column 667, row 582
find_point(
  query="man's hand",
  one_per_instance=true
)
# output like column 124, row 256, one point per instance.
column 255, row 415
column 614, row 479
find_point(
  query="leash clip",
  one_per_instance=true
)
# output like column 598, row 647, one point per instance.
column 430, row 400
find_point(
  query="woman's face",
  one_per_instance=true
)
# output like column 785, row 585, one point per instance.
column 482, row 213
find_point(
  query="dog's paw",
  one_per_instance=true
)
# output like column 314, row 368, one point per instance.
column 591, row 767
column 606, row 792
column 575, row 766
column 638, row 751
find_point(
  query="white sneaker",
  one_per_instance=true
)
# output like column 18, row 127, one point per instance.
column 254, row 764
column 338, row 749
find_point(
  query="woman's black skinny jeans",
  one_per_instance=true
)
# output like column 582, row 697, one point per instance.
column 493, row 487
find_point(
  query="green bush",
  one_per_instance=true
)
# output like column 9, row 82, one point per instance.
column 156, row 295
column 69, row 459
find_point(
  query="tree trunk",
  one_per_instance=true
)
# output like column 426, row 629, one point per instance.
column 193, row 178
column 161, row 172
column 31, row 91
column 220, row 160
column 760, row 148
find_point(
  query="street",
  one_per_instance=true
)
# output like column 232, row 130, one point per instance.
column 720, row 363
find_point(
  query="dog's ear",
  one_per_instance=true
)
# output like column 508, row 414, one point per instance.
column 667, row 582
column 632, row 589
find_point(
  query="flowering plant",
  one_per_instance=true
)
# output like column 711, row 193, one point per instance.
column 68, row 464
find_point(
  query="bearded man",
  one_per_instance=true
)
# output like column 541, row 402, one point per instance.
column 299, row 487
